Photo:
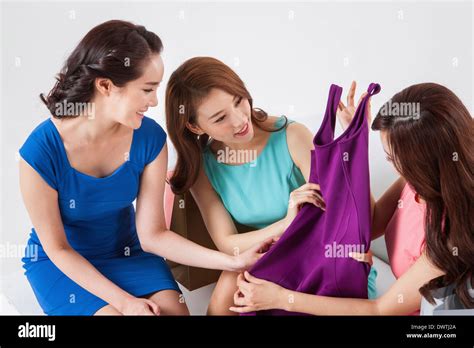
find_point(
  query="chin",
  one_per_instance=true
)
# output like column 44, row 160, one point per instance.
column 243, row 140
column 134, row 122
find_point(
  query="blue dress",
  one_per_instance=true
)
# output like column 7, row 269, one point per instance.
column 99, row 222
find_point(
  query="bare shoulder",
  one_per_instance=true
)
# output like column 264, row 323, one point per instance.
column 299, row 136
column 202, row 186
column 300, row 143
column 298, row 129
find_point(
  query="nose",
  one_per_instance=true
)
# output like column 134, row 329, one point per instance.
column 237, row 120
column 154, row 100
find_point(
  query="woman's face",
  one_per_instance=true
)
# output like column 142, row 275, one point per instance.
column 389, row 157
column 129, row 103
column 225, row 118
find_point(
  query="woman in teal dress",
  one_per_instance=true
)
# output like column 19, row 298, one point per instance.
column 241, row 165
column 80, row 173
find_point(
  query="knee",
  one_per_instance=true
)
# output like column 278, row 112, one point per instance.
column 223, row 295
column 170, row 303
column 218, row 308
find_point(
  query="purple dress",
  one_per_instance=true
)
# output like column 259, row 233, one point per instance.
column 312, row 254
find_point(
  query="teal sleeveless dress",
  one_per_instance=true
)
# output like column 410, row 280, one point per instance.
column 256, row 193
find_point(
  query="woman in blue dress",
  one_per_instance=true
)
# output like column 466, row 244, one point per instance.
column 80, row 173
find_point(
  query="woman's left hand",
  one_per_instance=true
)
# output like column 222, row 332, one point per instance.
column 256, row 294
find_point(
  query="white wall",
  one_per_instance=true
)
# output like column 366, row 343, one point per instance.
column 287, row 53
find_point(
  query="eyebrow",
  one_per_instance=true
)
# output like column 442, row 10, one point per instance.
column 216, row 114
column 152, row 83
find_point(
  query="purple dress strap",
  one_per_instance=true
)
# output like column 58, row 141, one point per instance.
column 326, row 131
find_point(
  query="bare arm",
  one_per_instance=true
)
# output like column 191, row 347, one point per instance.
column 300, row 144
column 383, row 209
column 41, row 202
column 402, row 298
column 218, row 221
column 156, row 238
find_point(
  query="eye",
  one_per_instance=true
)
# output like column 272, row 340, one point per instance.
column 148, row 90
column 220, row 119
column 239, row 100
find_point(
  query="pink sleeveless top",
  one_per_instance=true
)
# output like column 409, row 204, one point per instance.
column 405, row 233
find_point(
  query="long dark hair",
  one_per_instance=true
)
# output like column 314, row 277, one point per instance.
column 432, row 148
column 116, row 50
column 188, row 85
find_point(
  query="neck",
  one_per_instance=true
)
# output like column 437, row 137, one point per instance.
column 95, row 126
column 98, row 127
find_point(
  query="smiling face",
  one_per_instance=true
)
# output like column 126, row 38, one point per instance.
column 224, row 118
column 127, row 104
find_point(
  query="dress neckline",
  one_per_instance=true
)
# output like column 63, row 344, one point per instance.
column 66, row 159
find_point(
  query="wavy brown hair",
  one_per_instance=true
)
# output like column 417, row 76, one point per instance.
column 433, row 150
column 189, row 84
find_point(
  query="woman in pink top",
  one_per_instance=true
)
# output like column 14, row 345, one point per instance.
column 431, row 147
column 404, row 233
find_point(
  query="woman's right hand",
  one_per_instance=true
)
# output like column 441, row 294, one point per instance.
column 139, row 306
column 307, row 193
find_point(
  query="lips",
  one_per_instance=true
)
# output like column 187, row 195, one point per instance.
column 141, row 113
column 243, row 131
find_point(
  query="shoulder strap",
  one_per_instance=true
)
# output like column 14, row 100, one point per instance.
column 360, row 115
column 326, row 132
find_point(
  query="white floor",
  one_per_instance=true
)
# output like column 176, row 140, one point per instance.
column 16, row 296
